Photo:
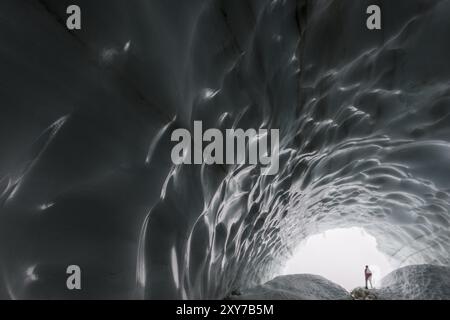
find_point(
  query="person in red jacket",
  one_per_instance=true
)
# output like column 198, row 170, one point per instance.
column 368, row 276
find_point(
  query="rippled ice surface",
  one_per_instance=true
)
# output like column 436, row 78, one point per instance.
column 86, row 117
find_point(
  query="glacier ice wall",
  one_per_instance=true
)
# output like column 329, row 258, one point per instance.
column 416, row 282
column 86, row 117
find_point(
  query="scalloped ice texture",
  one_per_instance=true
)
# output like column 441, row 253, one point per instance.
column 85, row 171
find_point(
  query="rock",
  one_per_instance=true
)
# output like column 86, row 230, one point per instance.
column 361, row 293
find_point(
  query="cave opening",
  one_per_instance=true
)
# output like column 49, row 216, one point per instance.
column 340, row 255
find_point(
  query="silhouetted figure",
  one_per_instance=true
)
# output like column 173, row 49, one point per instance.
column 368, row 275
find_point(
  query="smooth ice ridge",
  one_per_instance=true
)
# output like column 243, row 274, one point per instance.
column 295, row 287
column 86, row 116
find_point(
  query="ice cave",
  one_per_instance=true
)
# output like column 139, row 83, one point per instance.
column 86, row 117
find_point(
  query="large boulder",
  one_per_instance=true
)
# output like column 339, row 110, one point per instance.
column 295, row 287
column 416, row 282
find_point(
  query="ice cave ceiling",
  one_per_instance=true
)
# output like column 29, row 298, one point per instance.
column 86, row 116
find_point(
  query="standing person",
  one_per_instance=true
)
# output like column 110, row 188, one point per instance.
column 368, row 276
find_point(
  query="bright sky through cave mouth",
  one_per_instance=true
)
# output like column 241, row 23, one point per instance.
column 340, row 255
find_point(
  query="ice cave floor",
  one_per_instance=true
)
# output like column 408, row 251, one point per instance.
column 415, row 282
